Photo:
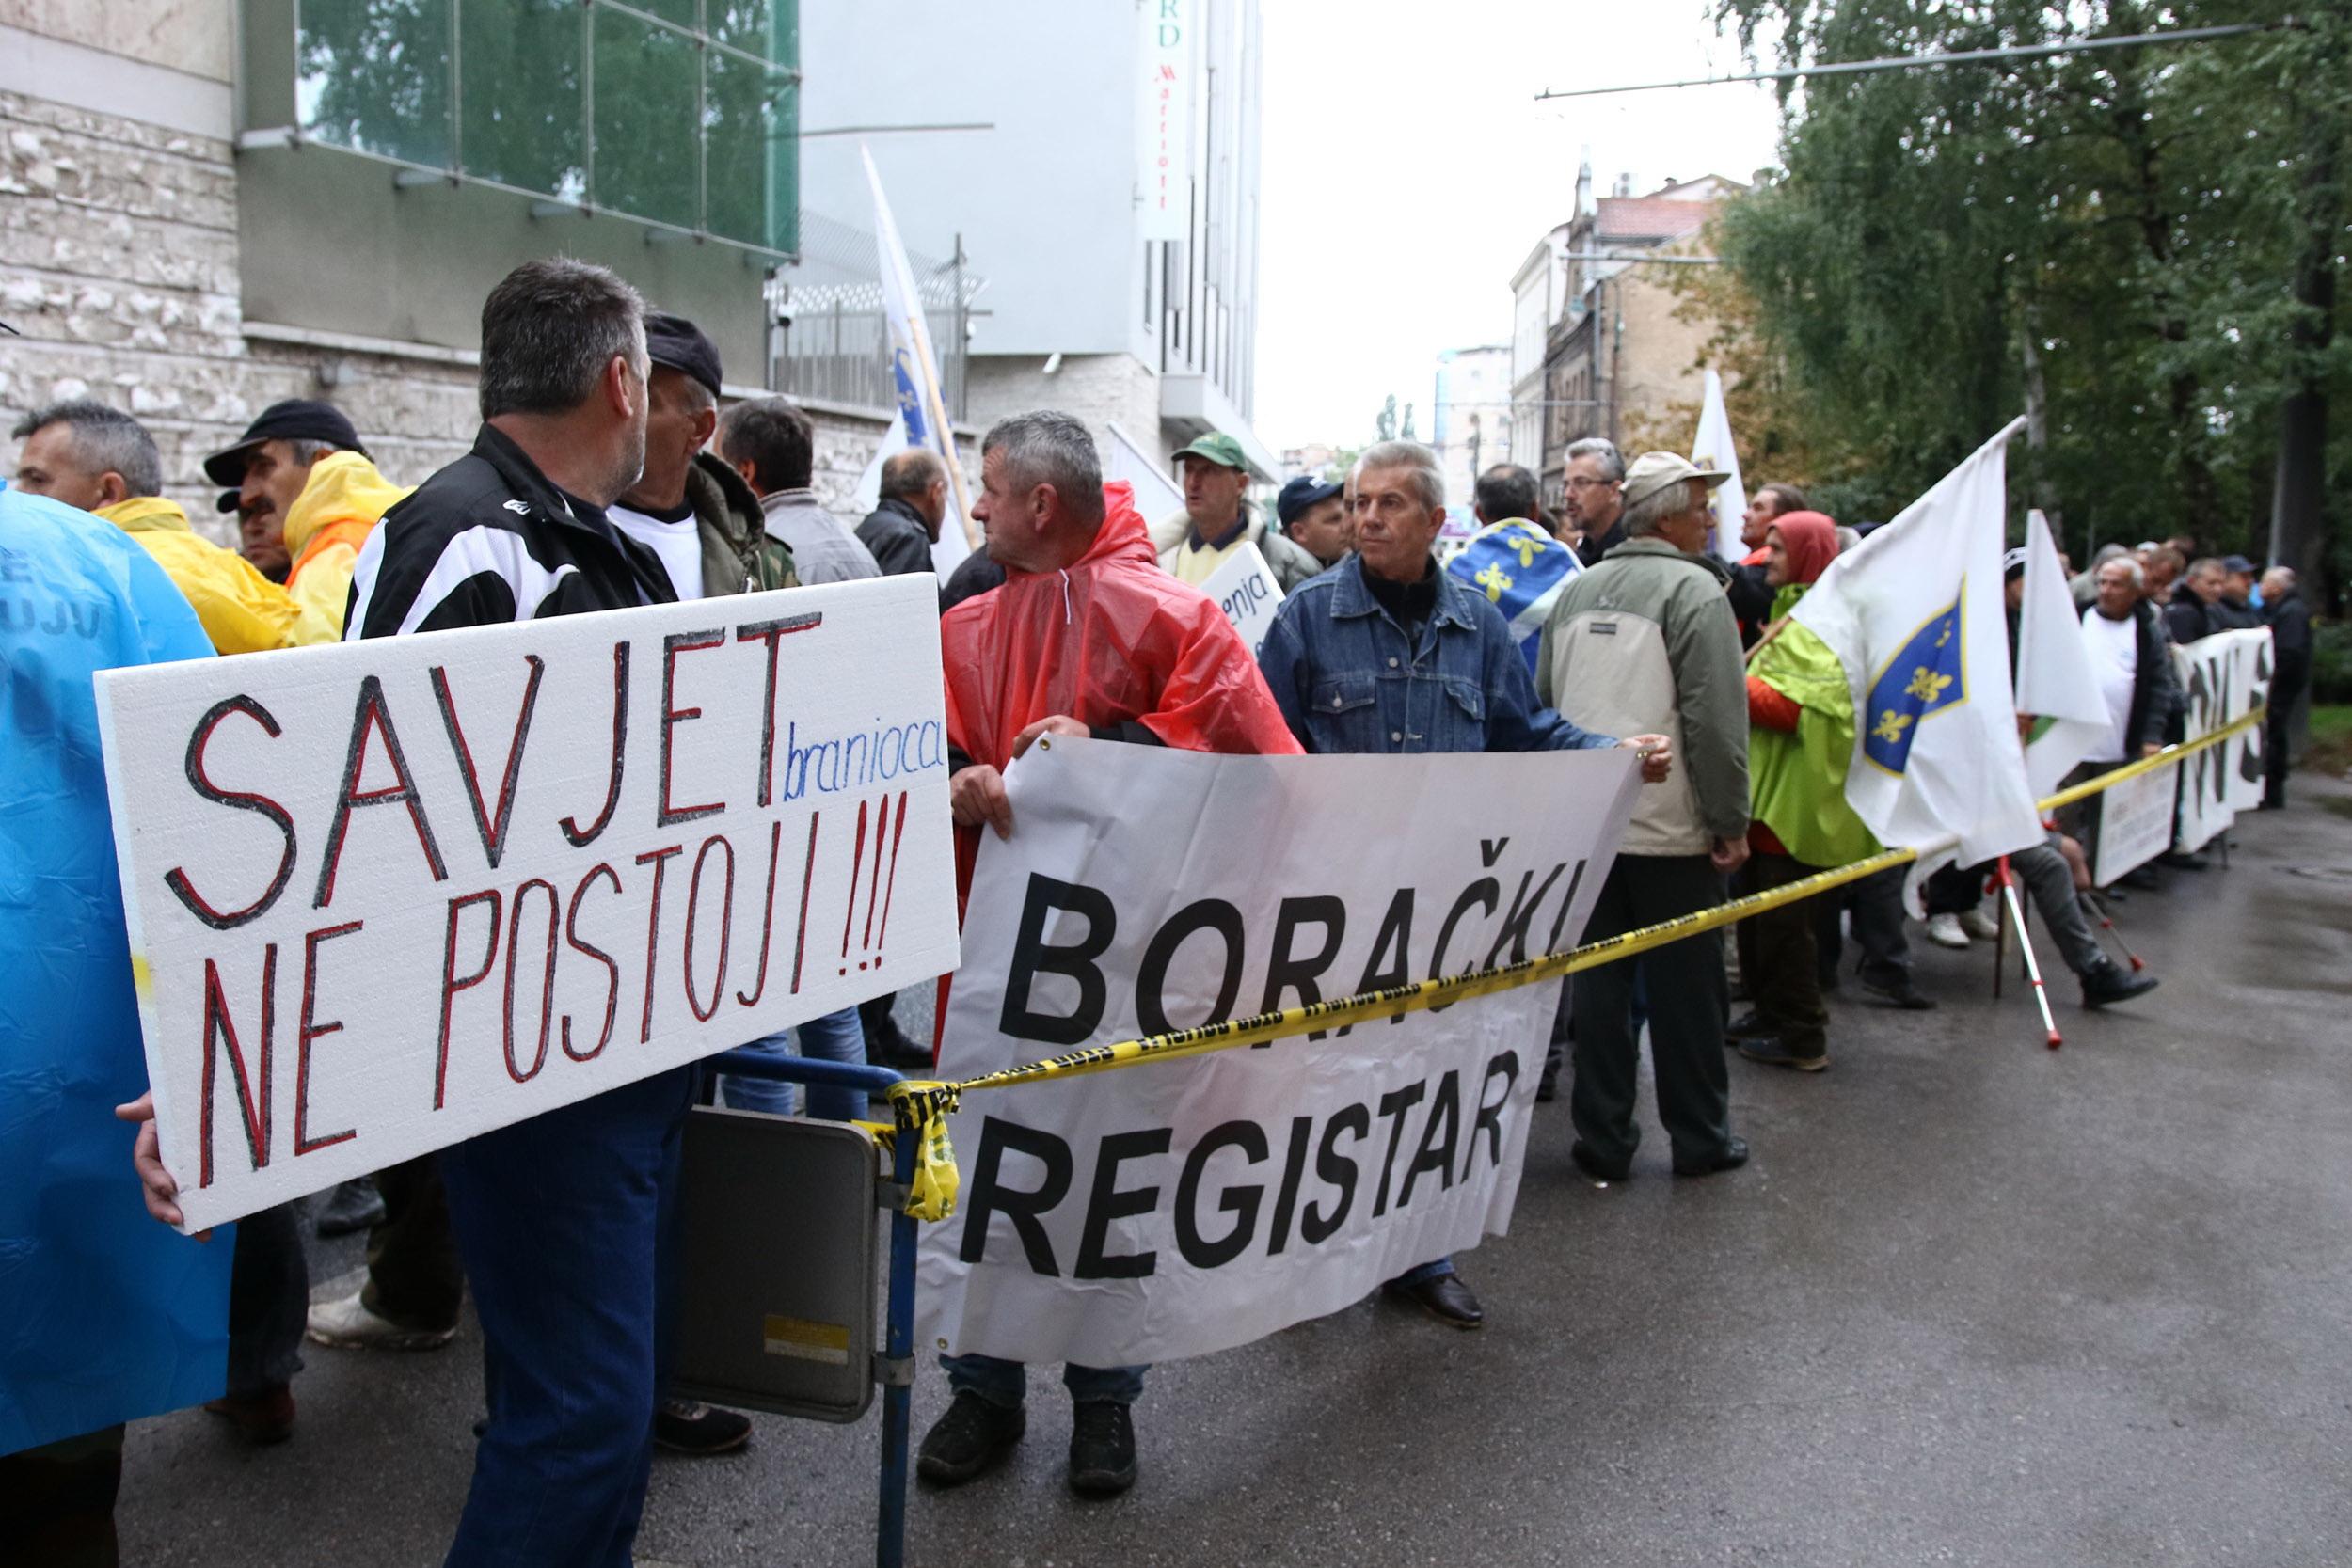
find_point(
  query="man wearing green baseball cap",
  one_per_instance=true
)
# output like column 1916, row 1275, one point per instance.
column 1219, row 521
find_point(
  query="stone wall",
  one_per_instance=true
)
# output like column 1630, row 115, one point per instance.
column 118, row 264
column 1099, row 388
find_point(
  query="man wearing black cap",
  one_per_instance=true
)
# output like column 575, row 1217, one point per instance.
column 1314, row 516
column 2232, row 609
column 690, row 509
column 266, row 470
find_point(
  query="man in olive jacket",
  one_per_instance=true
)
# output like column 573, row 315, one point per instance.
column 1646, row 642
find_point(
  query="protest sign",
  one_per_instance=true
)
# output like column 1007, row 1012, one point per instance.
column 2135, row 823
column 1245, row 589
column 1179, row 1208
column 2223, row 677
column 384, row 895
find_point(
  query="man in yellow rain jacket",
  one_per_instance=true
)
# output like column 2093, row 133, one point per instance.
column 103, row 460
column 326, row 526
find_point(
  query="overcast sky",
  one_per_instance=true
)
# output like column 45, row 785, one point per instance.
column 1406, row 171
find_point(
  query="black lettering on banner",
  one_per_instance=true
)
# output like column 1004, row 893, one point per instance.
column 612, row 970
column 370, row 713
column 309, row 1030
column 220, row 1029
column 770, row 632
column 677, row 643
column 490, row 824
column 1241, row 1202
column 1568, row 902
column 1106, row 1203
column 1506, row 1066
column 1520, row 915
column 1445, row 1112
column 177, row 879
column 1288, row 972
column 1204, row 914
column 989, row 1196
column 1286, row 1201
column 1338, row 1170
column 1031, row 957
column 1486, row 892
column 1490, row 850
column 546, row 980
column 1388, row 964
column 1393, row 1105
column 574, row 833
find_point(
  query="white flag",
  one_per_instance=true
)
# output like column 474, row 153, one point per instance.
column 1714, row 450
column 1916, row 616
column 915, row 369
column 2055, row 684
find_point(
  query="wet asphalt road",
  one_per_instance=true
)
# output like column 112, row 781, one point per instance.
column 1974, row 1302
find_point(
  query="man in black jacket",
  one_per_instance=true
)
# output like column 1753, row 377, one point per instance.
column 2290, row 622
column 901, row 529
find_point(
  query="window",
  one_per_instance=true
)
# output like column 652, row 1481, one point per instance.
column 679, row 113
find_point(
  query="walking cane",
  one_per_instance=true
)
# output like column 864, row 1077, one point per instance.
column 2099, row 907
column 2024, row 948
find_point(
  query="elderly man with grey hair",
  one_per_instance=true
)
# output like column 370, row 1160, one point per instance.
column 1386, row 624
column 1648, row 641
column 1595, row 496
column 1086, row 637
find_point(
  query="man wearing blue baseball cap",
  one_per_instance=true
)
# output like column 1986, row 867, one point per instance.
column 1314, row 517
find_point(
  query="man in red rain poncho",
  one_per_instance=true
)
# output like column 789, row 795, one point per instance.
column 1087, row 637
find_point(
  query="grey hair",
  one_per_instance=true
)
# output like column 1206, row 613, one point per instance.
column 2104, row 554
column 1612, row 460
column 548, row 330
column 2139, row 579
column 306, row 452
column 1428, row 478
column 106, row 440
column 1048, row 447
column 1662, row 506
column 2202, row 562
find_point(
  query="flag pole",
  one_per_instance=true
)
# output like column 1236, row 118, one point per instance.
column 2024, row 948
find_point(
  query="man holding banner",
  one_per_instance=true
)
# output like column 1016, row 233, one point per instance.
column 1388, row 654
column 1087, row 637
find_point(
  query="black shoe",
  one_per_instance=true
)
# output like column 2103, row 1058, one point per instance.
column 1749, row 1026
column 1102, row 1449
column 1730, row 1157
column 2195, row 860
column 970, row 1440
column 2144, row 878
column 1594, row 1167
column 1775, row 1052
column 2112, row 982
column 353, row 1206
column 1444, row 1297
column 697, row 1430
column 1547, row 1087
column 1905, row 995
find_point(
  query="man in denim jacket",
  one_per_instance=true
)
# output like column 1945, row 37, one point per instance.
column 1384, row 653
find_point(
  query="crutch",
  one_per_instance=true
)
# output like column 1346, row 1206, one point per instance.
column 2025, row 947
column 2099, row 908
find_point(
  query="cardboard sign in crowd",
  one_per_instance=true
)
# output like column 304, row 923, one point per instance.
column 385, row 896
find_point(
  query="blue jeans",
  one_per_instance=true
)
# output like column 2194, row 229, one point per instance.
column 834, row 1038
column 565, row 1223
column 1005, row 1384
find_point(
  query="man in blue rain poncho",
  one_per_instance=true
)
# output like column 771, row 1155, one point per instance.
column 104, row 1315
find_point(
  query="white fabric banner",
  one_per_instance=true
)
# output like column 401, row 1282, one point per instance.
column 1915, row 615
column 2223, row 677
column 1179, row 1208
column 1714, row 449
column 2055, row 685
column 384, row 895
column 1245, row 589
column 2135, row 823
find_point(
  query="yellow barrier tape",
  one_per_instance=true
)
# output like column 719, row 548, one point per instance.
column 925, row 1106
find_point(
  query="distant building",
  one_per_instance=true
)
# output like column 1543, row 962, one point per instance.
column 1469, row 425
column 1313, row 458
column 1538, row 298
column 1618, row 349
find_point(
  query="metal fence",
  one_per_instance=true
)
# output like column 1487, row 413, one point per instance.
column 830, row 341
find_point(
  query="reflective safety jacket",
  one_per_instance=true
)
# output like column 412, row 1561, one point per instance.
column 327, row 523
column 242, row 611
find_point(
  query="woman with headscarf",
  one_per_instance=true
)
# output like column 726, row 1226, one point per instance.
column 1800, row 739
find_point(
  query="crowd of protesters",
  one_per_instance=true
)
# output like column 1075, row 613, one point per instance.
column 606, row 474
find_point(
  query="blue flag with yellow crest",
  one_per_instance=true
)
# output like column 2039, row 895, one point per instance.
column 1520, row 569
column 1915, row 615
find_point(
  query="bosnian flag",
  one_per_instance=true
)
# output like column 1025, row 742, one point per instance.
column 1916, row 614
column 922, row 409
column 2054, row 686
column 1713, row 450
column 1520, row 569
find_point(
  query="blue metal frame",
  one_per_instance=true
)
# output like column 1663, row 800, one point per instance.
column 890, row 1538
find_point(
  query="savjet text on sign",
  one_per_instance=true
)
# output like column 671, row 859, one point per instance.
column 388, row 894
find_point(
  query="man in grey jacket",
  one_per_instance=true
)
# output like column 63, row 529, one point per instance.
column 1645, row 642
column 772, row 444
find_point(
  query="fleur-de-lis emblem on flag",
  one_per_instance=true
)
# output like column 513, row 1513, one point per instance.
column 1495, row 580
column 1891, row 726
column 1924, row 677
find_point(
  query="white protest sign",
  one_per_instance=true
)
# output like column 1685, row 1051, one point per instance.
column 2223, row 677
column 1244, row 588
column 2135, row 823
column 1179, row 1208
column 384, row 895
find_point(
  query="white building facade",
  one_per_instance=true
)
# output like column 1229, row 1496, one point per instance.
column 1471, row 423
